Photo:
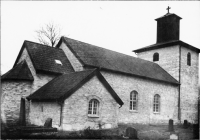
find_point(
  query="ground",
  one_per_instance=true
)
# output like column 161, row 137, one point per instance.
column 145, row 132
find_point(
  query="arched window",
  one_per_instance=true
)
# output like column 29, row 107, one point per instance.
column 155, row 57
column 189, row 59
column 93, row 108
column 156, row 103
column 133, row 100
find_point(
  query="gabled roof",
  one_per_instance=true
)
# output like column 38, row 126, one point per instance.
column 63, row 86
column 166, row 44
column 93, row 56
column 44, row 58
column 20, row 72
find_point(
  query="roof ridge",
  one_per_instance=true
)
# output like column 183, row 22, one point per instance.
column 99, row 47
column 113, row 51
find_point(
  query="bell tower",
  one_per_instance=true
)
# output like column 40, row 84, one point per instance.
column 180, row 60
column 168, row 27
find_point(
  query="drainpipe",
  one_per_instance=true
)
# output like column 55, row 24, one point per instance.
column 179, row 88
column 61, row 110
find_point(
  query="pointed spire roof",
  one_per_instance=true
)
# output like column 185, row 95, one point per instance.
column 20, row 72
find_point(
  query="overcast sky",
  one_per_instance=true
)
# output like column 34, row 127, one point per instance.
column 117, row 25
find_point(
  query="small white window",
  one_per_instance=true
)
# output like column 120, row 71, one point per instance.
column 58, row 62
column 133, row 100
column 93, row 108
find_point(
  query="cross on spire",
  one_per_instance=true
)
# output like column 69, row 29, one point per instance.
column 168, row 9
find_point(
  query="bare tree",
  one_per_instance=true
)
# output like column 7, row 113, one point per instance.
column 48, row 35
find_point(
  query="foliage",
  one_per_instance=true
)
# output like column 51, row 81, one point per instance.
column 48, row 34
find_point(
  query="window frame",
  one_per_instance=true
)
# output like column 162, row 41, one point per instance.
column 156, row 104
column 133, row 101
column 91, row 104
column 155, row 57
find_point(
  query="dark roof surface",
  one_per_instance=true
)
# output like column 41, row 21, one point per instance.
column 43, row 58
column 63, row 86
column 166, row 44
column 20, row 72
column 91, row 55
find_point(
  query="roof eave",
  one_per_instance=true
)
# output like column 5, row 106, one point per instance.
column 40, row 71
column 166, row 15
column 15, row 79
column 166, row 44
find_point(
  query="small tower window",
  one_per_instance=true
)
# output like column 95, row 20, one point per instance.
column 156, row 104
column 189, row 59
column 155, row 57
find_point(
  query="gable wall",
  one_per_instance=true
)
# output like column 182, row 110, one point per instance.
column 75, row 108
column 76, row 64
column 123, row 85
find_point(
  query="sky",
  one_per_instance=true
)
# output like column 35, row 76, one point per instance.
column 121, row 26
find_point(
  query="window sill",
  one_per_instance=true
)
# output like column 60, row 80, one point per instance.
column 93, row 116
column 158, row 113
column 133, row 111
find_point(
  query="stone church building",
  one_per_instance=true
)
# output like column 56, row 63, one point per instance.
column 80, row 85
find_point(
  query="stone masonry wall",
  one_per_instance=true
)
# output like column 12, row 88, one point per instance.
column 76, row 64
column 40, row 111
column 189, row 86
column 75, row 108
column 168, row 59
column 12, row 92
column 123, row 85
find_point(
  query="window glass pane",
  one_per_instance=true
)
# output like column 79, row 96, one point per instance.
column 156, row 103
column 133, row 100
column 93, row 107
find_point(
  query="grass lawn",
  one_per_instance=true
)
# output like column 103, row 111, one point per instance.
column 158, row 132
column 145, row 132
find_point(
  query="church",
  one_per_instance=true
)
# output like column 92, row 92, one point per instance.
column 79, row 85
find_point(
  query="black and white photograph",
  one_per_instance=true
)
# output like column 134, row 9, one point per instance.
column 100, row 70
